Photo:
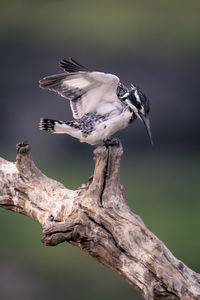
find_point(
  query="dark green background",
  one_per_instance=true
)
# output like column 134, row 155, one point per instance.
column 155, row 44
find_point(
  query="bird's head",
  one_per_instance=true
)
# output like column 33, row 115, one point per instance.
column 139, row 105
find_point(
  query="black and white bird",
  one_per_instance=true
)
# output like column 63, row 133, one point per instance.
column 100, row 103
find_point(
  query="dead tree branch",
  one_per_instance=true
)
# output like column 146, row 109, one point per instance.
column 97, row 219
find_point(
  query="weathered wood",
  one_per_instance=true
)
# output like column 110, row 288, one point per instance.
column 97, row 219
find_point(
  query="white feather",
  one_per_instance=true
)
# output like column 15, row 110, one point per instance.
column 137, row 96
column 87, row 91
column 76, row 83
column 100, row 93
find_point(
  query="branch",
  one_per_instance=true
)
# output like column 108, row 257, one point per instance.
column 97, row 219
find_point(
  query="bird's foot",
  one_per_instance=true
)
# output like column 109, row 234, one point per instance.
column 111, row 142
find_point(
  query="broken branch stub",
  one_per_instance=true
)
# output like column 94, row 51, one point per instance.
column 97, row 219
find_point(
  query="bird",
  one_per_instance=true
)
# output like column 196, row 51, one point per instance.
column 101, row 105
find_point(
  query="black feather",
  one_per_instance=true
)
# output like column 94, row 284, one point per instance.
column 47, row 124
column 72, row 66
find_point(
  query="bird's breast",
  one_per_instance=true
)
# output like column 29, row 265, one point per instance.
column 107, row 125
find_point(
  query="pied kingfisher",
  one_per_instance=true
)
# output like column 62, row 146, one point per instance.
column 100, row 103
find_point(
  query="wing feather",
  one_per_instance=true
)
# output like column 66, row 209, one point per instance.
column 87, row 91
column 71, row 65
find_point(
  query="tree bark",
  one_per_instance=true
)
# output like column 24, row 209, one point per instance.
column 97, row 219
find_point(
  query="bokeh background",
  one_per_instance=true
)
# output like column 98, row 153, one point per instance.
column 155, row 44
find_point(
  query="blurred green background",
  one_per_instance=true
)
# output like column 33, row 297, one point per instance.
column 155, row 44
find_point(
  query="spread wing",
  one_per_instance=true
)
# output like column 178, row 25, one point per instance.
column 87, row 91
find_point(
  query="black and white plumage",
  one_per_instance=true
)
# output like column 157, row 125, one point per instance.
column 100, row 104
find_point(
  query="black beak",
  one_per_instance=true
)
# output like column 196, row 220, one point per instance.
column 146, row 122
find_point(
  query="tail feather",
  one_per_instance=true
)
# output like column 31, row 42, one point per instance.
column 47, row 124
column 55, row 126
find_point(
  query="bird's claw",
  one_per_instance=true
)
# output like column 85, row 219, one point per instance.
column 111, row 142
